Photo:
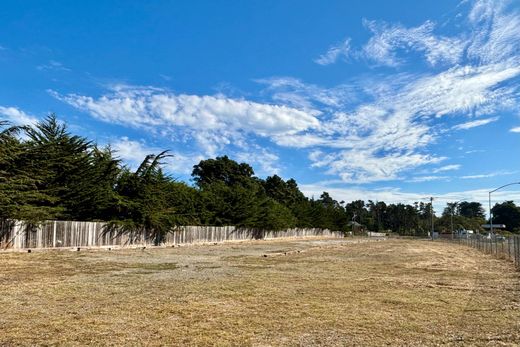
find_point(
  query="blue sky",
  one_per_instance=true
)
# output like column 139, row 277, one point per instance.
column 381, row 100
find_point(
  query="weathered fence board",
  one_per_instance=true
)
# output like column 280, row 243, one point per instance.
column 60, row 234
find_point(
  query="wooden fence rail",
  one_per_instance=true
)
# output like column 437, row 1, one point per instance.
column 60, row 234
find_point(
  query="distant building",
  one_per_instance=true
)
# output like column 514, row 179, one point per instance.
column 498, row 227
column 464, row 233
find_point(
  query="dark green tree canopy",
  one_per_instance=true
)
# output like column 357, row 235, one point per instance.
column 471, row 209
column 507, row 213
column 221, row 169
column 50, row 173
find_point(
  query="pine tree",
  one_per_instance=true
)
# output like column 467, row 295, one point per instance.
column 20, row 197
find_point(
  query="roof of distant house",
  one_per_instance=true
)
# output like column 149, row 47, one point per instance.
column 495, row 226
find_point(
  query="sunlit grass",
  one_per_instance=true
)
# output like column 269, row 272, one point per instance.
column 330, row 293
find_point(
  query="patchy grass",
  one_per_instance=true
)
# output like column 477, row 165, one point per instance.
column 262, row 293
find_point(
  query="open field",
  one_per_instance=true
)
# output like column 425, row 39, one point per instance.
column 332, row 292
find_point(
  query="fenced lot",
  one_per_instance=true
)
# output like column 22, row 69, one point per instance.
column 503, row 248
column 333, row 292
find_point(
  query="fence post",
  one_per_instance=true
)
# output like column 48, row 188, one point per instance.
column 517, row 250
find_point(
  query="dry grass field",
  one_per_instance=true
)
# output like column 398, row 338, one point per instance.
column 303, row 293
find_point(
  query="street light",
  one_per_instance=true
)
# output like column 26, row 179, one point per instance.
column 490, row 212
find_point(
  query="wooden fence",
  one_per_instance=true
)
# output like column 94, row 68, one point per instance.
column 62, row 234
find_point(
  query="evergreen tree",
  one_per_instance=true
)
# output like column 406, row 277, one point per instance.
column 20, row 197
column 61, row 161
column 144, row 204
column 507, row 213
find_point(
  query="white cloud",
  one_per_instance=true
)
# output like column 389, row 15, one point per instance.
column 470, row 177
column 445, row 168
column 488, row 175
column 17, row 116
column 475, row 123
column 427, row 178
column 134, row 152
column 391, row 133
column 388, row 39
column 213, row 121
column 295, row 93
column 335, row 52
column 380, row 140
column 515, row 130
column 364, row 166
column 264, row 161
column 495, row 31
column 492, row 37
column 461, row 89
column 374, row 128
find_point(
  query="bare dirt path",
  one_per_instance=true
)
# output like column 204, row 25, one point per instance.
column 262, row 293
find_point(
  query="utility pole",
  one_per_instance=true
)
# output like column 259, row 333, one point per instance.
column 451, row 219
column 431, row 211
column 452, row 207
column 490, row 216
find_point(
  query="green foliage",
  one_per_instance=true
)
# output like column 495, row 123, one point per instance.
column 470, row 209
column 52, row 174
column 144, row 200
column 60, row 161
column 20, row 193
column 231, row 205
column 274, row 216
column 507, row 213
column 221, row 169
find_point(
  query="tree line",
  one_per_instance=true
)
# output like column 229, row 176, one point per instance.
column 48, row 173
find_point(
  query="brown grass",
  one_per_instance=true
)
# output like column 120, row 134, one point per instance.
column 331, row 293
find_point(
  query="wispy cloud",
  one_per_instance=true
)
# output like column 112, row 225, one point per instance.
column 133, row 152
column 475, row 123
column 52, row 65
column 388, row 39
column 515, row 130
column 380, row 139
column 495, row 31
column 488, row 175
column 265, row 161
column 427, row 178
column 335, row 52
column 296, row 93
column 372, row 128
column 445, row 168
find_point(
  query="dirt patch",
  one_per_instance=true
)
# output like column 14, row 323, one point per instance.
column 330, row 293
